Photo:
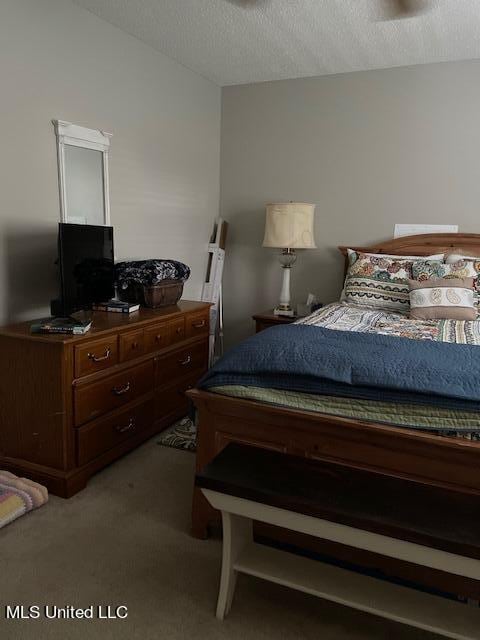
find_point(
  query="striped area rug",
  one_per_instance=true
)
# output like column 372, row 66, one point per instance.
column 19, row 496
column 181, row 435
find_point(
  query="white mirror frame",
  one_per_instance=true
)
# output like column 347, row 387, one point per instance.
column 76, row 136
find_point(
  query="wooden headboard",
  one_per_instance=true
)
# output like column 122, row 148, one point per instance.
column 425, row 244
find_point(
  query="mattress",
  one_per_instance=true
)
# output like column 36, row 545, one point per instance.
column 425, row 418
column 341, row 316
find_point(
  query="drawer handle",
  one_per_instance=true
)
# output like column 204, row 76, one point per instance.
column 119, row 391
column 198, row 325
column 126, row 427
column 184, row 363
column 134, row 345
column 179, row 330
column 94, row 358
column 158, row 337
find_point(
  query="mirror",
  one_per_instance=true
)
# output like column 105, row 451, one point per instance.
column 84, row 185
column 83, row 174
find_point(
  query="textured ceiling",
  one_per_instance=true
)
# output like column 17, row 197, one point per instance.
column 239, row 41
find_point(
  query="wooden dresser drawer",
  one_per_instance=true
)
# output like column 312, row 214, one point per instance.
column 157, row 337
column 131, row 345
column 173, row 398
column 96, row 355
column 176, row 331
column 197, row 324
column 182, row 362
column 100, row 436
column 95, row 399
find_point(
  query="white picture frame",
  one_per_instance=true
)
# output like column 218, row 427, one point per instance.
column 77, row 136
column 413, row 229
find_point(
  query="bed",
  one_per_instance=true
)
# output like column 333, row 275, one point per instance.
column 443, row 450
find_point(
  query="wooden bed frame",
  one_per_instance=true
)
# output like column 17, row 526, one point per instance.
column 392, row 451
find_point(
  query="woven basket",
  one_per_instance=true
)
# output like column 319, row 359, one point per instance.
column 165, row 294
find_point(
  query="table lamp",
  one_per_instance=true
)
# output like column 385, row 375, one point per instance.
column 288, row 226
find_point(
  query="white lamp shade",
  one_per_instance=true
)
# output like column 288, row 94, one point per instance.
column 289, row 225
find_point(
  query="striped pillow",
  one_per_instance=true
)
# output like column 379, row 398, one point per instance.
column 378, row 281
column 442, row 299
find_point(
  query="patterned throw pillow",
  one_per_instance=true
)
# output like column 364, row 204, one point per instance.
column 428, row 269
column 378, row 281
column 442, row 299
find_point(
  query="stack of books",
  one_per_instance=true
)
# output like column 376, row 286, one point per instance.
column 72, row 326
column 116, row 306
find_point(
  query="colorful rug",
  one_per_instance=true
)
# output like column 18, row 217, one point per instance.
column 181, row 435
column 18, row 496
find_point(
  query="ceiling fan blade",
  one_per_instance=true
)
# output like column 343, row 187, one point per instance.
column 404, row 8
column 249, row 4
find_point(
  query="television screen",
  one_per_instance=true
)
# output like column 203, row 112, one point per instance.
column 86, row 265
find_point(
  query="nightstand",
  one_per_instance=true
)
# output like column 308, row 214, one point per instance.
column 269, row 319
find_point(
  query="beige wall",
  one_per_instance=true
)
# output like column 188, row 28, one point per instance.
column 369, row 148
column 59, row 61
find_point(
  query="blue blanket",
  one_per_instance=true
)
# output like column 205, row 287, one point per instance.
column 352, row 364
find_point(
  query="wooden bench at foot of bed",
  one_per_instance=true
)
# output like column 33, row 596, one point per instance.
column 403, row 519
column 392, row 452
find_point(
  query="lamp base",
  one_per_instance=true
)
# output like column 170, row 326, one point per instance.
column 278, row 311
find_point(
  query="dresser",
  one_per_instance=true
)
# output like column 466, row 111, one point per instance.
column 70, row 405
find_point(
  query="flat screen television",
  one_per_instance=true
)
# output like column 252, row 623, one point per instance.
column 85, row 267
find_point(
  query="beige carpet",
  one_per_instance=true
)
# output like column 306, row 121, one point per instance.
column 125, row 541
